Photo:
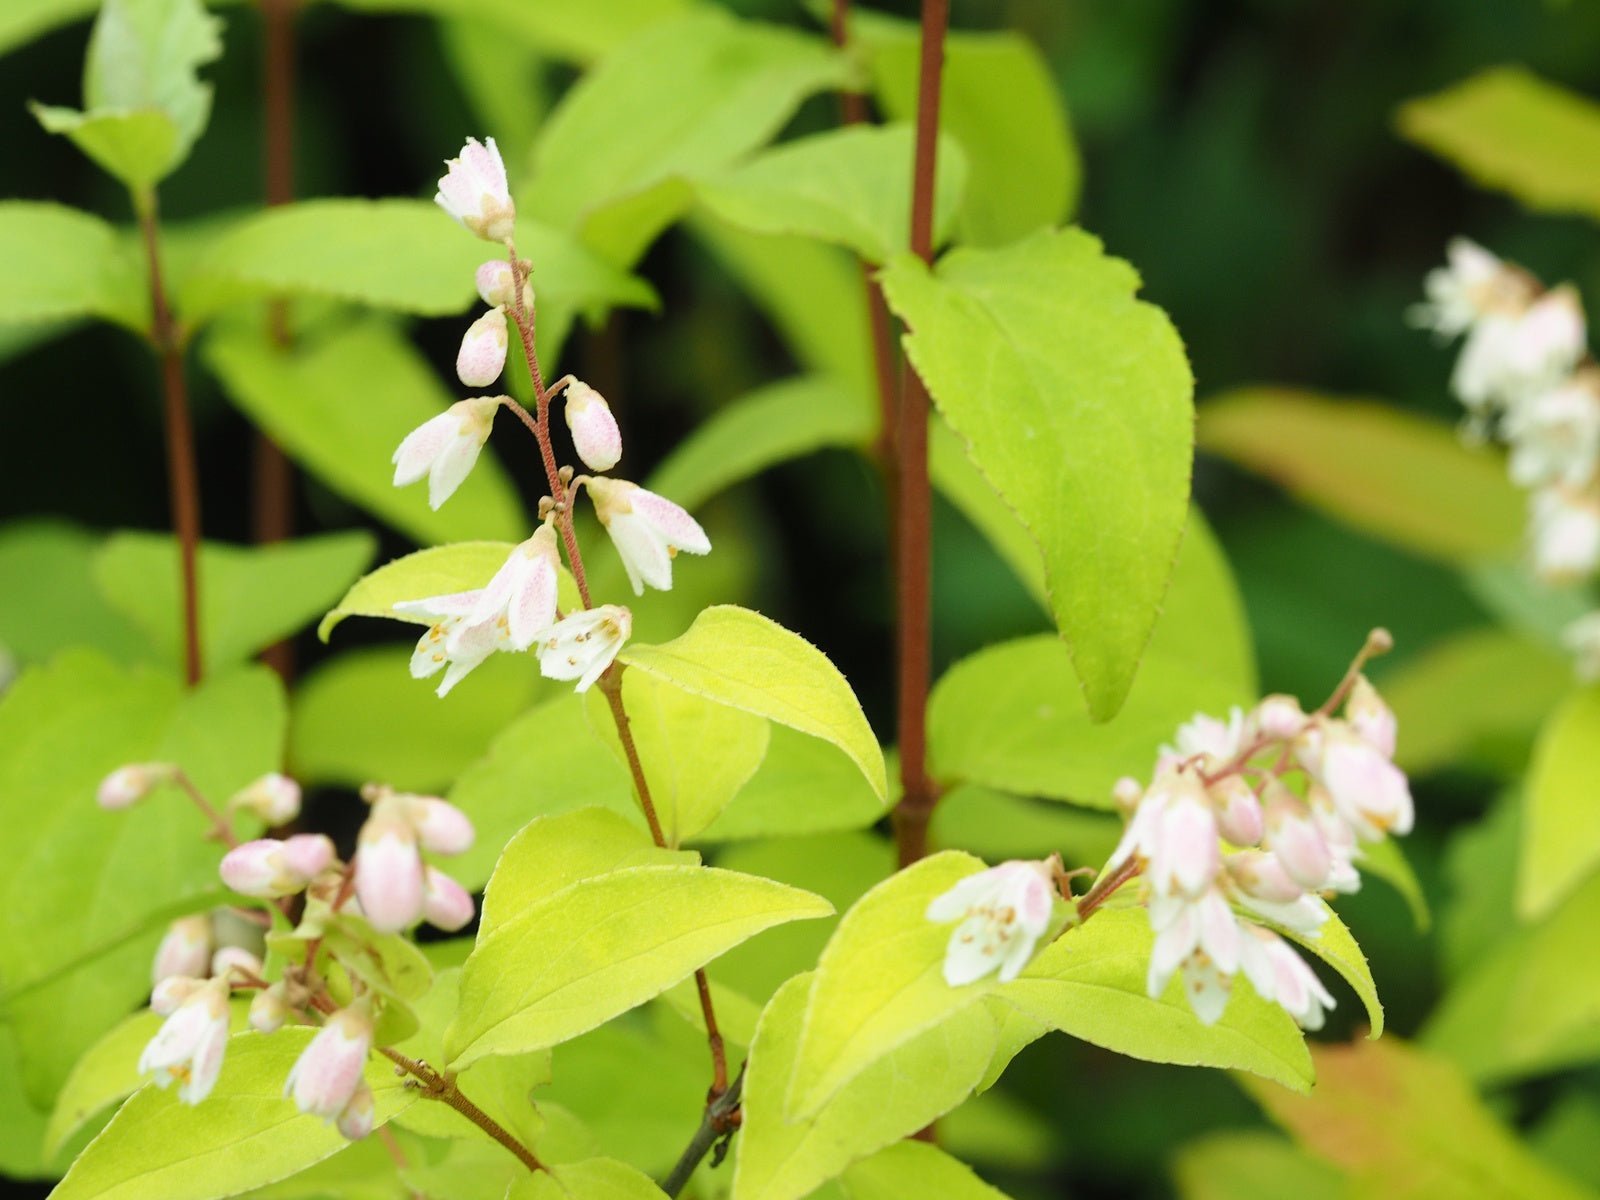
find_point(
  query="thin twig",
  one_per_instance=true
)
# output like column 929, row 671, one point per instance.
column 440, row 1087
column 721, row 1119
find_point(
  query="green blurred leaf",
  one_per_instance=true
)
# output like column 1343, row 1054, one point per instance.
column 76, row 941
column 1560, row 836
column 747, row 661
column 593, row 1179
column 997, row 826
column 458, row 567
column 1407, row 1125
column 581, row 31
column 770, row 425
column 1402, row 478
column 732, row 84
column 916, row 1169
column 1511, row 593
column 1386, row 861
column 1090, row 983
column 1087, row 437
column 1248, row 1165
column 361, row 1171
column 1002, row 105
column 696, row 753
column 23, row 20
column 50, row 602
column 847, row 186
column 22, row 1153
column 803, row 786
column 921, row 1079
column 247, row 1134
column 63, row 263
column 250, row 596
column 308, row 400
column 1510, row 130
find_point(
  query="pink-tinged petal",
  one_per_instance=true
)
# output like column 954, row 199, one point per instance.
column 1257, row 964
column 355, row 1119
column 967, row 894
column 458, row 670
column 494, row 282
column 238, row 960
column 168, row 995
column 421, row 446
column 1239, row 817
column 445, row 903
column 388, row 881
column 441, row 827
column 329, row 1071
column 484, row 161
column 533, row 606
column 595, row 435
column 1219, row 932
column 1189, row 843
column 643, row 553
column 257, row 869
column 675, row 526
column 1174, row 943
column 451, row 468
column 308, row 855
column 185, row 950
column 482, row 356
column 451, row 604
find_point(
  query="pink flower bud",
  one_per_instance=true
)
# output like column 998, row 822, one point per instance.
column 1127, row 792
column 441, row 827
column 1238, row 811
column 268, row 868
column 185, row 950
column 1278, row 717
column 327, row 1074
column 1371, row 717
column 494, row 282
column 269, row 1010
column 126, row 786
column 445, row 903
column 1183, row 850
column 474, row 191
column 594, row 430
column 238, row 960
column 308, row 855
column 274, row 798
column 355, row 1119
column 482, row 356
column 1261, row 875
column 1292, row 835
column 172, row 992
column 445, row 448
column 190, row 1045
column 388, row 866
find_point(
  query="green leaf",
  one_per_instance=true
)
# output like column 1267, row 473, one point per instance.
column 1407, row 1125
column 307, row 400
column 355, row 719
column 961, row 483
column 361, row 1171
column 603, row 945
column 245, row 1135
column 1011, row 718
column 250, row 596
column 1090, row 983
column 23, row 20
column 802, row 786
column 50, row 602
column 1527, row 1005
column 1088, row 437
column 902, row 1092
column 592, row 1179
column 742, row 659
column 1516, row 598
column 62, row 263
column 144, row 103
column 1404, row 479
column 1386, row 861
column 1333, row 944
column 775, row 423
column 733, row 84
column 22, row 1153
column 1247, row 1165
column 847, row 186
column 1561, row 839
column 997, row 826
column 548, row 761
column 1510, row 130
column 75, row 945
column 916, row 1169
column 1474, row 698
column 696, row 754
column 1002, row 105
column 879, row 982
column 458, row 567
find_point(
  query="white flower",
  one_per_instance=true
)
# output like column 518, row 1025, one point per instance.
column 1279, row 974
column 1293, row 836
column 647, row 530
column 446, row 447
column 1214, row 743
column 474, row 191
column 1174, row 835
column 1367, row 791
column 1003, row 912
column 275, row 798
column 1566, row 534
column 1550, row 340
column 1473, row 284
column 582, row 645
column 1555, row 434
column 327, row 1075
column 1278, row 717
column 1582, row 638
column 190, row 1044
column 595, row 435
column 1201, row 937
column 454, row 643
column 1239, row 817
column 185, row 950
column 482, row 356
column 1482, row 373
column 521, row 598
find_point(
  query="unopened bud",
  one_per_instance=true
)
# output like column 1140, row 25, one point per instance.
column 269, row 868
column 482, row 356
column 236, row 959
column 1238, row 811
column 1279, row 717
column 494, row 283
column 128, row 785
column 185, row 950
column 445, row 903
column 441, row 827
column 355, row 1121
column 275, row 798
column 594, row 430
column 171, row 992
column 269, row 1010
column 1127, row 792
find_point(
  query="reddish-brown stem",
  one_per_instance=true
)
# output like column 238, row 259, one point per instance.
column 913, row 510
column 272, row 500
column 611, row 687
column 719, row 1055
column 436, row 1086
column 183, row 476
column 221, row 831
column 1101, row 892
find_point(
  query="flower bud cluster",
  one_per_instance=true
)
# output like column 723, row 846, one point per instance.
column 1249, row 822
column 1525, row 374
column 394, row 888
column 222, row 944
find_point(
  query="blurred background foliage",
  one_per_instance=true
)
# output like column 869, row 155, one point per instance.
column 1244, row 155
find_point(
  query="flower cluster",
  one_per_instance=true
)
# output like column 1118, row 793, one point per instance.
column 1525, row 375
column 517, row 609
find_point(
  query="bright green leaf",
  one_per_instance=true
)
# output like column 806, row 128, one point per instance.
column 1405, row 479
column 696, row 754
column 50, row 602
column 774, row 423
column 250, row 596
column 1248, row 1165
column 1510, row 130
column 1560, row 836
column 747, row 661
column 308, row 400
column 62, row 263
column 1087, row 436
column 803, row 786
column 916, row 1169
column 848, row 186
column 458, row 567
column 1333, row 944
column 23, row 20
column 361, row 1171
column 592, row 1179
column 961, row 483
column 245, row 1135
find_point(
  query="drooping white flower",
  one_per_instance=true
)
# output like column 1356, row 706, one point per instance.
column 453, row 643
column 1201, row 937
column 482, row 356
column 446, row 447
column 1279, row 974
column 521, row 598
column 474, row 191
column 328, row 1073
column 388, row 867
column 190, row 1044
column 185, row 949
column 595, row 435
column 1473, row 284
column 1002, row 913
column 1565, row 531
column 1340, row 839
column 647, row 530
column 1294, row 838
column 1550, row 340
column 1555, row 434
column 1482, row 374
column 275, row 798
column 1174, row 835
column 1367, row 791
column 1239, row 817
column 268, row 867
column 1582, row 638
column 128, row 785
column 582, row 645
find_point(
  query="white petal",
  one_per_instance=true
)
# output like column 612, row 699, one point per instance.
column 1021, row 951
column 643, row 553
column 673, row 524
column 964, row 958
column 533, row 605
column 421, row 446
column 453, row 464
column 965, row 895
